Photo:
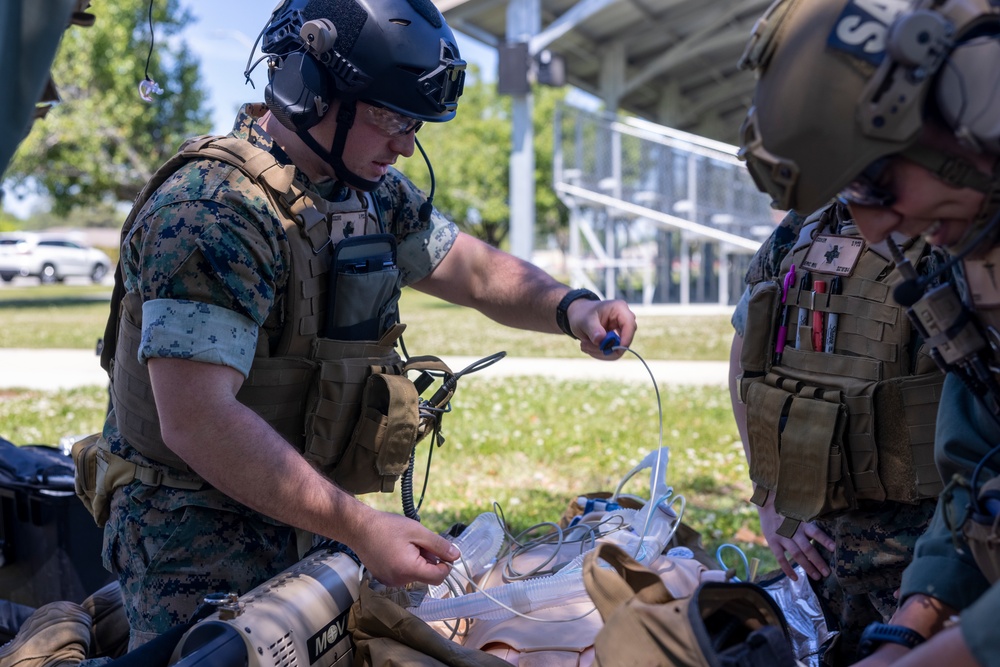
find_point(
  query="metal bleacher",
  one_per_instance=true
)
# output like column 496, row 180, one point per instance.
column 657, row 216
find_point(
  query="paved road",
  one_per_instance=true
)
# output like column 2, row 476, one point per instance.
column 60, row 369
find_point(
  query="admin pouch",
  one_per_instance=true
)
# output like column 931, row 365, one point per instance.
column 717, row 625
column 828, row 431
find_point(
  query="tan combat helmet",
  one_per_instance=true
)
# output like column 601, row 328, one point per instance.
column 842, row 83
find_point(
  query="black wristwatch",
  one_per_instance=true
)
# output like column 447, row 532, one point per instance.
column 562, row 310
column 877, row 634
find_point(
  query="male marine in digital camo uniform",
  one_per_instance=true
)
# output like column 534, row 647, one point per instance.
column 224, row 438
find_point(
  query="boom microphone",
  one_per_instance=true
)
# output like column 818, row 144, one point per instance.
column 428, row 206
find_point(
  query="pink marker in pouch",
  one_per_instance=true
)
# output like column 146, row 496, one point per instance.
column 779, row 345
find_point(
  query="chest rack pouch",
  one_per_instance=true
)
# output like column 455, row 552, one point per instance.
column 364, row 288
column 796, row 426
column 759, row 334
column 796, row 439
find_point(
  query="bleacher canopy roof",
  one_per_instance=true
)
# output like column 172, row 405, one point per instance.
column 672, row 62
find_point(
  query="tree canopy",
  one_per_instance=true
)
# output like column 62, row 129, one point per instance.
column 102, row 142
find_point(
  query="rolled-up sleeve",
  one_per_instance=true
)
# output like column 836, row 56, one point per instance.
column 197, row 331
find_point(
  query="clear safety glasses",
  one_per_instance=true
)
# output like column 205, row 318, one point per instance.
column 872, row 187
column 393, row 124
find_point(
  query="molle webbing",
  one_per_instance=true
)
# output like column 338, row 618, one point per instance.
column 870, row 324
column 303, row 216
column 276, row 387
column 829, row 430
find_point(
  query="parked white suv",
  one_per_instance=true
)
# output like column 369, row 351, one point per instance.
column 50, row 258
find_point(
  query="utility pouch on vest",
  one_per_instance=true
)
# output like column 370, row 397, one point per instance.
column 334, row 404
column 759, row 334
column 85, row 480
column 809, row 477
column 380, row 447
column 982, row 530
column 812, row 429
column 364, row 288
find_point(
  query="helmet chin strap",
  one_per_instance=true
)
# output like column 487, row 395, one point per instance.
column 335, row 156
column 984, row 231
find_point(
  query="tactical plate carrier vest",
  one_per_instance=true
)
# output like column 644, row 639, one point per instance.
column 829, row 431
column 346, row 405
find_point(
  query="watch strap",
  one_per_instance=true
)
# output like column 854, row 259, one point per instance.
column 877, row 634
column 562, row 310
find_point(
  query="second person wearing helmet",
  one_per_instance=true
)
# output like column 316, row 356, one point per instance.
column 908, row 136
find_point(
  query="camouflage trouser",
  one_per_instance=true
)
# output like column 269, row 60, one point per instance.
column 168, row 554
column 872, row 550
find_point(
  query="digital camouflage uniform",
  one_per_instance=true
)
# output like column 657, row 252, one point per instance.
column 206, row 257
column 873, row 544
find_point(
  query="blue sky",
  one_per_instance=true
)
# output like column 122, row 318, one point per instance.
column 221, row 36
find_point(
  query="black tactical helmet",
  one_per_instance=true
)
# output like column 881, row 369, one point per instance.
column 398, row 54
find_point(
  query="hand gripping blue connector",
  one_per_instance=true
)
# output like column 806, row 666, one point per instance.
column 609, row 343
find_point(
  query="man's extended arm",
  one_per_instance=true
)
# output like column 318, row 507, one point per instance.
column 519, row 294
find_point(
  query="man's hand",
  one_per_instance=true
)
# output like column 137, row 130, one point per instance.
column 398, row 550
column 591, row 321
column 799, row 547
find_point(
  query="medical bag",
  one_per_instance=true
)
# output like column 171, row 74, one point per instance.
column 50, row 547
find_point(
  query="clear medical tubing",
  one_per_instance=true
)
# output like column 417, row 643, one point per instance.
column 645, row 537
column 479, row 544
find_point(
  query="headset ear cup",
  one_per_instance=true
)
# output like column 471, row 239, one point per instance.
column 968, row 92
column 298, row 91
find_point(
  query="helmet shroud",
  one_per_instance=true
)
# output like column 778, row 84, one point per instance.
column 842, row 83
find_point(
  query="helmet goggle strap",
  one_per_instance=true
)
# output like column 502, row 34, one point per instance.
column 772, row 174
column 873, row 186
column 985, row 228
column 953, row 170
column 335, row 156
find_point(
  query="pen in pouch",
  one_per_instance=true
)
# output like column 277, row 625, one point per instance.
column 803, row 318
column 831, row 318
column 819, row 287
column 786, row 286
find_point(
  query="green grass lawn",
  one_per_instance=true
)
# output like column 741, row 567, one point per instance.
column 68, row 316
column 528, row 444
column 53, row 316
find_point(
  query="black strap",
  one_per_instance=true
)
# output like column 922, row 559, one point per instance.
column 765, row 647
column 107, row 344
